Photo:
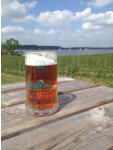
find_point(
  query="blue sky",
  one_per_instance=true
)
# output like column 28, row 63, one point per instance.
column 58, row 22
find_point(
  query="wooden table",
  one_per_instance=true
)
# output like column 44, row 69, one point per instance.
column 84, row 120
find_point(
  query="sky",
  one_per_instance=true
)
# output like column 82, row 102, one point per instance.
column 66, row 23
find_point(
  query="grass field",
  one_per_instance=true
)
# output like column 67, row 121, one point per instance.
column 94, row 68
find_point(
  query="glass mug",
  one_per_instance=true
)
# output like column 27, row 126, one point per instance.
column 41, row 83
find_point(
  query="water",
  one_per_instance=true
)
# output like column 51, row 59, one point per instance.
column 84, row 52
column 80, row 52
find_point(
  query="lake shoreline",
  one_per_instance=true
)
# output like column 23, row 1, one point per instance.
column 74, row 52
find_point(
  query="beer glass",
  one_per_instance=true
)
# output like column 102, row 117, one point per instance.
column 41, row 83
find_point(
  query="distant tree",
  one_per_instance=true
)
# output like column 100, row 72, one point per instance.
column 9, row 47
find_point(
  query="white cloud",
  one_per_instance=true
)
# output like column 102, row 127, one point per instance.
column 30, row 4
column 12, row 9
column 24, row 19
column 101, row 18
column 12, row 29
column 53, row 31
column 55, row 18
column 95, row 16
column 90, row 26
column 81, row 37
column 96, row 28
column 99, row 3
column 44, row 32
column 63, row 17
column 37, row 31
column 82, row 14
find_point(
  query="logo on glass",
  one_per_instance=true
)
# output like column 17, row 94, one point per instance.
column 40, row 64
column 40, row 85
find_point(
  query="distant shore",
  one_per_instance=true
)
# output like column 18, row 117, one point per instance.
column 51, row 47
column 61, row 52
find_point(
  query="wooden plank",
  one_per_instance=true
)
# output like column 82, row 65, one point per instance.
column 15, row 120
column 111, row 148
column 16, row 97
column 91, row 130
column 19, row 86
column 74, row 86
column 11, row 87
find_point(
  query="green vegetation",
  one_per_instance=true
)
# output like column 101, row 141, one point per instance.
column 7, row 78
column 12, row 69
column 94, row 68
column 9, row 47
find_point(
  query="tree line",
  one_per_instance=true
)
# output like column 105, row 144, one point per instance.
column 9, row 47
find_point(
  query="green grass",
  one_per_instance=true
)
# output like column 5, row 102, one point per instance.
column 7, row 78
column 93, row 68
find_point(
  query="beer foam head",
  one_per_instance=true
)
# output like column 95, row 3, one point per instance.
column 33, row 59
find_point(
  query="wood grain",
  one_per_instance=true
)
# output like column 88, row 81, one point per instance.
column 16, row 121
column 90, row 130
column 12, row 87
column 19, row 86
column 18, row 96
column 111, row 148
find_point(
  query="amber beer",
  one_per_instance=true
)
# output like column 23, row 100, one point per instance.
column 41, row 83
